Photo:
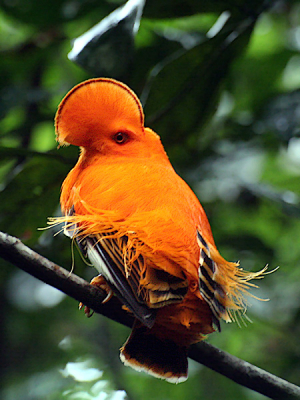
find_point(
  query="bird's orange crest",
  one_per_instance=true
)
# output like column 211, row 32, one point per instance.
column 89, row 110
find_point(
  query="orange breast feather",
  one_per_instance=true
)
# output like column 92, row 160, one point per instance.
column 143, row 229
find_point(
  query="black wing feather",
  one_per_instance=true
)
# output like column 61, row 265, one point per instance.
column 104, row 263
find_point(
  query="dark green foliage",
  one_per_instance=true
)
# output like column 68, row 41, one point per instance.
column 226, row 106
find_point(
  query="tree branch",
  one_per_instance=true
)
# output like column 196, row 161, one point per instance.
column 244, row 373
column 241, row 372
column 14, row 251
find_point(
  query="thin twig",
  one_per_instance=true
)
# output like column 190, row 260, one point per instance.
column 241, row 372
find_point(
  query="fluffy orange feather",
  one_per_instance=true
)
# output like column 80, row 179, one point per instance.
column 143, row 229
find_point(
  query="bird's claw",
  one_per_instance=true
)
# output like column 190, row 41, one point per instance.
column 100, row 282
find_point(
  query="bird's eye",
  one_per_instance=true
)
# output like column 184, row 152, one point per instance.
column 120, row 137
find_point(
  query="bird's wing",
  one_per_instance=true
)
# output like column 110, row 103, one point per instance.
column 123, row 276
column 141, row 284
column 106, row 255
column 142, row 288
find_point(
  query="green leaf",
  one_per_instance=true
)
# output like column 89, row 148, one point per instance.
column 184, row 93
column 107, row 48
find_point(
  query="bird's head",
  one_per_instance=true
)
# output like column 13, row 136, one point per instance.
column 104, row 115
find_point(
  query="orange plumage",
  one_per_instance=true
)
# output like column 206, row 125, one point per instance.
column 143, row 229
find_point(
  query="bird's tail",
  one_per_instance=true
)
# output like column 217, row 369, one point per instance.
column 160, row 357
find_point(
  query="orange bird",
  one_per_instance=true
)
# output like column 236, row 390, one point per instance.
column 143, row 229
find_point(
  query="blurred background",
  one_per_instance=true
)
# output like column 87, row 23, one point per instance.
column 220, row 83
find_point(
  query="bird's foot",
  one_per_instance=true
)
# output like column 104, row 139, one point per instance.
column 100, row 282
